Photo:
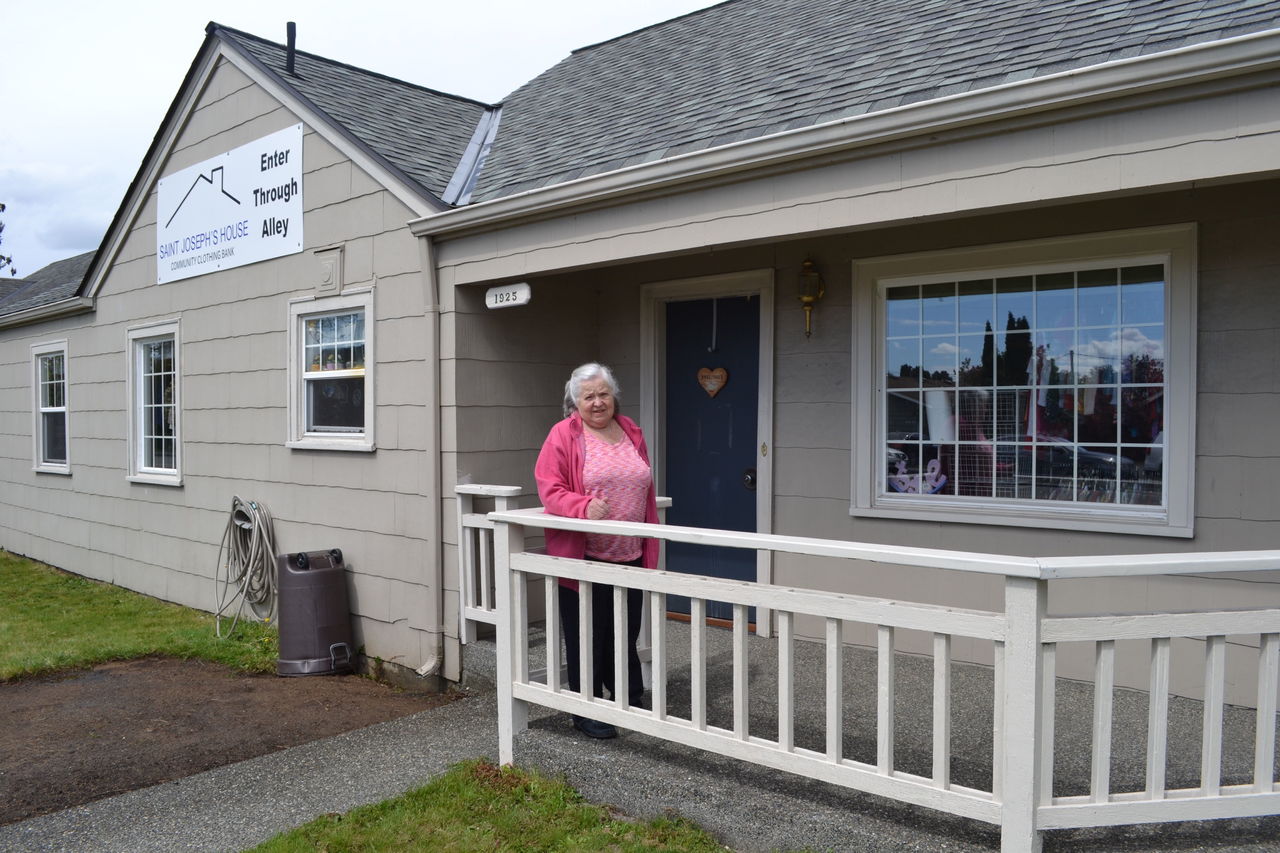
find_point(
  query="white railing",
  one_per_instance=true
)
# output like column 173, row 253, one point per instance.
column 1020, row 796
column 475, row 553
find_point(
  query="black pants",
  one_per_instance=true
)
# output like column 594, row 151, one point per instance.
column 602, row 640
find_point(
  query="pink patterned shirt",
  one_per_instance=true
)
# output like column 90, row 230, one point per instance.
column 616, row 474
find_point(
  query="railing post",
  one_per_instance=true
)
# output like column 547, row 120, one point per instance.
column 648, row 617
column 1025, row 605
column 466, row 568
column 475, row 570
column 513, row 714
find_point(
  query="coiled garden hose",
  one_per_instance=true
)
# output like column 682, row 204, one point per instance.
column 248, row 575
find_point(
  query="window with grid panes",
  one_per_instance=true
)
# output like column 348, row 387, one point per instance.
column 50, row 432
column 333, row 355
column 155, row 411
column 1041, row 390
column 1045, row 387
column 331, row 373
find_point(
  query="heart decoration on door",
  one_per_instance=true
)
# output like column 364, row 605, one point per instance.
column 712, row 381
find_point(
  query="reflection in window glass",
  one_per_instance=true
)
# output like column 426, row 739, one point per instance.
column 1055, row 301
column 1056, row 357
column 1142, row 353
column 1099, row 298
column 977, row 307
column 903, row 360
column 939, row 356
column 976, row 356
column 335, row 405
column 334, row 342
column 1042, row 387
column 1097, row 414
column 1014, row 300
column 1097, row 359
column 1142, row 294
column 158, row 406
column 333, row 355
column 902, row 312
column 52, row 396
column 938, row 302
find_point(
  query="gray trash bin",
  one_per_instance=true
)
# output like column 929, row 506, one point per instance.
column 315, row 618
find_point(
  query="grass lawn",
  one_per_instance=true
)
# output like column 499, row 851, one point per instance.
column 53, row 621
column 478, row 806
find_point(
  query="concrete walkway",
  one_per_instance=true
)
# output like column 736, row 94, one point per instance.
column 748, row 808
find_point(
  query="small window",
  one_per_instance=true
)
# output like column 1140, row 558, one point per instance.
column 155, row 411
column 49, row 362
column 331, row 373
column 1043, row 390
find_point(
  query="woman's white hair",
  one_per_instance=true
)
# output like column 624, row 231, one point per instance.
column 585, row 373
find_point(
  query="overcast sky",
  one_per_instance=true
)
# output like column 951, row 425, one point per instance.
column 84, row 84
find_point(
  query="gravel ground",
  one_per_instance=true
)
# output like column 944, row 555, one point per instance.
column 748, row 808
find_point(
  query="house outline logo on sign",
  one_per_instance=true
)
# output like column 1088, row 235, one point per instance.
column 240, row 207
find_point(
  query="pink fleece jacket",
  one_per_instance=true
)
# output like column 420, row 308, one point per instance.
column 558, row 473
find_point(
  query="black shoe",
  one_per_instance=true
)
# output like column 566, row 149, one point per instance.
column 594, row 728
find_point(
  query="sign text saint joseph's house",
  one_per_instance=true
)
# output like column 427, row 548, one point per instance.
column 237, row 208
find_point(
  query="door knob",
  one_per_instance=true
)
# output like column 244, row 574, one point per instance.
column 749, row 479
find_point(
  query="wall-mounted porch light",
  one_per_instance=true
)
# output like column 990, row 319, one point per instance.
column 812, row 289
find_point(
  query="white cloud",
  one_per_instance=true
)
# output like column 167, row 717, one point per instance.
column 1126, row 341
column 73, row 235
column 86, row 84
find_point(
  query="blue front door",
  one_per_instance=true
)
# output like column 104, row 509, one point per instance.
column 712, row 395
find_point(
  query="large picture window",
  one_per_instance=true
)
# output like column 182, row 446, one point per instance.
column 49, row 384
column 155, row 432
column 1036, row 390
column 331, row 371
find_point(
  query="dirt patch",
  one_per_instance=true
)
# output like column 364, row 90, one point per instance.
column 77, row 737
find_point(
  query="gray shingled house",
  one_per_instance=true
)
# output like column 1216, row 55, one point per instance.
column 952, row 171
column 1037, row 242
column 174, row 397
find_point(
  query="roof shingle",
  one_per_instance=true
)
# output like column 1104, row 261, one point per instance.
column 53, row 283
column 747, row 68
column 420, row 131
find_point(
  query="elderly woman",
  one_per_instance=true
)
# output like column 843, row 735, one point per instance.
column 594, row 464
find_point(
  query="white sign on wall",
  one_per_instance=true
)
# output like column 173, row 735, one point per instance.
column 234, row 209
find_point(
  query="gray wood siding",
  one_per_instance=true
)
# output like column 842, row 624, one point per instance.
column 1239, row 399
column 234, row 357
column 505, row 381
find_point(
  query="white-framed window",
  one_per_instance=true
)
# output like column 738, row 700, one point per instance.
column 51, row 445
column 331, row 372
column 1048, row 383
column 155, row 404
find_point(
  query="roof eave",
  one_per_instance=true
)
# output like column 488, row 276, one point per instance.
column 1097, row 83
column 61, row 308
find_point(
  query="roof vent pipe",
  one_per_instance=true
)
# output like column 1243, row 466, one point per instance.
column 292, row 29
